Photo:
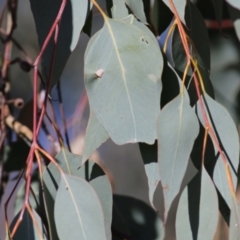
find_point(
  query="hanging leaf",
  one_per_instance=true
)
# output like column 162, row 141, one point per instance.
column 175, row 143
column 134, row 219
column 90, row 171
column 179, row 5
column 136, row 7
column 132, row 70
column 28, row 230
column 119, row 9
column 72, row 22
column 197, row 213
column 234, row 226
column 149, row 155
column 95, row 136
column 77, row 211
column 225, row 129
column 234, row 3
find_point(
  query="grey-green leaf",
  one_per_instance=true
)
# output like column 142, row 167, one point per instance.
column 180, row 6
column 90, row 171
column 72, row 22
column 123, row 69
column 225, row 128
column 177, row 129
column 136, row 7
column 95, row 136
column 77, row 211
column 208, row 211
column 119, row 9
column 28, row 230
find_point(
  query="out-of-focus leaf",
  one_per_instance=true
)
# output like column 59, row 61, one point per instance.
column 180, row 6
column 235, row 16
column 234, row 3
column 28, row 230
column 225, row 129
column 218, row 8
column 149, row 155
column 197, row 213
column 72, row 22
column 175, row 143
column 77, row 211
column 234, row 226
column 134, row 219
column 95, row 136
column 15, row 155
column 122, row 76
column 89, row 171
column 119, row 9
column 136, row 7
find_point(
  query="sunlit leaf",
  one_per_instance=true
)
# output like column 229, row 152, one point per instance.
column 223, row 127
column 95, row 136
column 77, row 210
column 28, row 230
column 123, row 68
column 198, row 204
column 72, row 22
column 175, row 142
column 119, row 9
column 179, row 5
column 89, row 171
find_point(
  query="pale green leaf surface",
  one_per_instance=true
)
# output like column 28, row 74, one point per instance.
column 95, row 136
column 70, row 163
column 78, row 213
column 227, row 132
column 27, row 230
column 208, row 211
column 153, row 176
column 180, row 6
column 125, row 99
column 119, row 9
column 177, row 129
column 72, row 22
column 234, row 226
column 136, row 7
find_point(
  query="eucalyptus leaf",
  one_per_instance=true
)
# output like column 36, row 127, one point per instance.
column 28, row 230
column 175, row 143
column 90, row 171
column 72, row 22
column 225, row 129
column 179, row 5
column 119, row 9
column 202, row 212
column 123, row 68
column 77, row 211
column 137, row 8
column 95, row 136
column 235, row 16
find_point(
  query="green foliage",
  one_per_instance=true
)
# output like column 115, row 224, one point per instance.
column 155, row 92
